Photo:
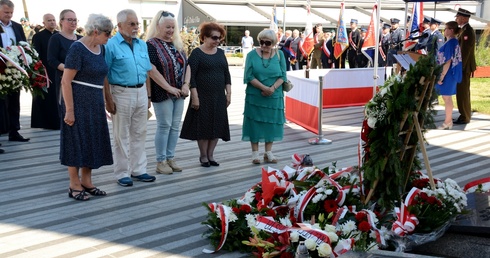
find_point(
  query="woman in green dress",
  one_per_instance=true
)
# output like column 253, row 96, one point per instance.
column 263, row 117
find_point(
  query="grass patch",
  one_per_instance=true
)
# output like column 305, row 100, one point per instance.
column 480, row 96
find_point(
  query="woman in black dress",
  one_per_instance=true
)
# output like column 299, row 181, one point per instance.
column 207, row 119
column 60, row 43
column 85, row 141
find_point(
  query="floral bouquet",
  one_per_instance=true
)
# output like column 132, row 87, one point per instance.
column 21, row 68
column 301, row 208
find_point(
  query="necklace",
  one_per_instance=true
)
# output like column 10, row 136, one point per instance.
column 262, row 59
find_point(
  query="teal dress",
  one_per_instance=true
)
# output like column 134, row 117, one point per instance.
column 263, row 117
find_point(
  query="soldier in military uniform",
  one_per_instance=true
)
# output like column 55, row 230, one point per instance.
column 422, row 44
column 362, row 60
column 384, row 45
column 436, row 39
column 354, row 40
column 467, row 41
column 396, row 39
column 190, row 40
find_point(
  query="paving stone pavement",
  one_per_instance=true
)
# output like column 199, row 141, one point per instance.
column 163, row 218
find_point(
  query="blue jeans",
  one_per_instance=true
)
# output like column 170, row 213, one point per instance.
column 168, row 114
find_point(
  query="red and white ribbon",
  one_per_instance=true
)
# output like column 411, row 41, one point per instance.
column 473, row 185
column 406, row 222
column 223, row 212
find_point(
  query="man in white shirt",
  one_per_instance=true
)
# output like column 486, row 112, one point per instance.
column 247, row 45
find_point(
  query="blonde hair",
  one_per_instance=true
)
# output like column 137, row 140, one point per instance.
column 152, row 30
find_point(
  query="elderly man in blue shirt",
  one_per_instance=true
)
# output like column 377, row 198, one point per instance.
column 128, row 98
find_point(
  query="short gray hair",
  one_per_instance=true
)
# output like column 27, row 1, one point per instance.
column 268, row 34
column 8, row 3
column 98, row 22
column 122, row 16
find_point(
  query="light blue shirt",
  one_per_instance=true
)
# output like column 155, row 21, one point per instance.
column 8, row 33
column 127, row 66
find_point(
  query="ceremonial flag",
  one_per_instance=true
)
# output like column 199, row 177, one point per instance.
column 370, row 41
column 273, row 25
column 341, row 42
column 306, row 44
column 414, row 25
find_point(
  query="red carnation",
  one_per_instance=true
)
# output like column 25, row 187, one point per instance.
column 432, row 200
column 235, row 210
column 246, row 208
column 364, row 226
column 330, row 206
column 361, row 216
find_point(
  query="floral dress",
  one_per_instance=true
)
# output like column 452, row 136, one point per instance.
column 450, row 51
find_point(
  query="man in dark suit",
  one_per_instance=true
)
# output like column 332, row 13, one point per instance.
column 285, row 46
column 12, row 31
column 467, row 41
column 354, row 40
column 44, row 113
column 295, row 49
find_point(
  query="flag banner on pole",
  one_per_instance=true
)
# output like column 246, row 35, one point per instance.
column 414, row 25
column 273, row 25
column 369, row 44
column 307, row 43
column 341, row 42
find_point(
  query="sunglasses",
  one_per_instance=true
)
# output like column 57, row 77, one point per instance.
column 215, row 38
column 71, row 20
column 266, row 42
column 166, row 14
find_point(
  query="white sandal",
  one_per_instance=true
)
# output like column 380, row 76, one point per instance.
column 269, row 157
column 255, row 157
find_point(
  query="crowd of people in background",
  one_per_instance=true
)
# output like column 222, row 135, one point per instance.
column 108, row 67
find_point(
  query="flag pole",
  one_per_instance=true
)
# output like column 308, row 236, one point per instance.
column 284, row 18
column 376, row 50
column 320, row 140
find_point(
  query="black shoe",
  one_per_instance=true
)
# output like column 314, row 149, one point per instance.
column 17, row 138
column 459, row 122
column 205, row 164
column 213, row 163
column 2, row 151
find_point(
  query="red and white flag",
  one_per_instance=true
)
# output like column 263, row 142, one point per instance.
column 369, row 44
column 307, row 43
column 414, row 27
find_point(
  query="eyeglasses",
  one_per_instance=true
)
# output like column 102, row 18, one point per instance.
column 132, row 24
column 265, row 42
column 215, row 38
column 165, row 14
column 71, row 20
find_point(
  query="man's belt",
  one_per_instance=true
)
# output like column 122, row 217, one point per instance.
column 130, row 86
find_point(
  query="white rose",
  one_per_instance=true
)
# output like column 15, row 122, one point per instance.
column 294, row 236
column 330, row 228
column 310, row 244
column 332, row 236
column 372, row 122
column 324, row 250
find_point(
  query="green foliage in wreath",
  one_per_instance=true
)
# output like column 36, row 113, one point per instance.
column 385, row 112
